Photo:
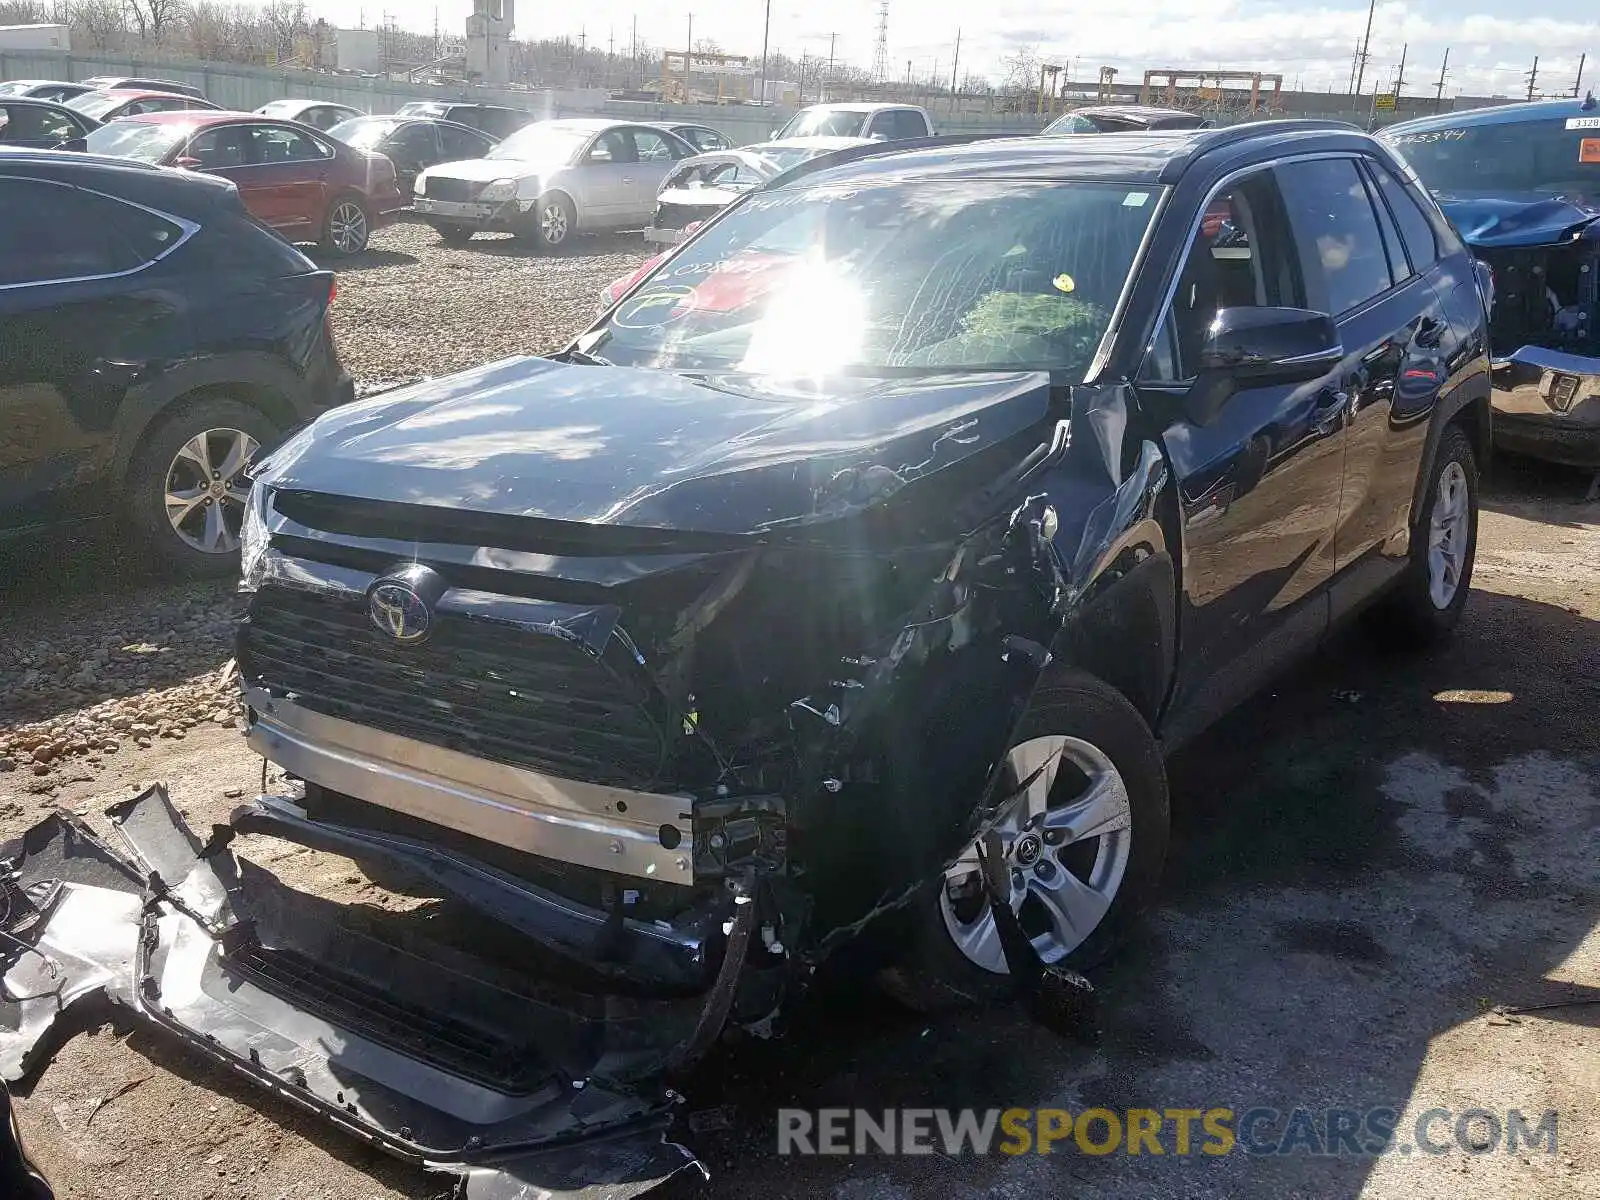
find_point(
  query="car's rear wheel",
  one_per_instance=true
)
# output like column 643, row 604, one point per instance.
column 1426, row 603
column 1083, row 846
column 453, row 235
column 551, row 222
column 185, row 485
column 346, row 229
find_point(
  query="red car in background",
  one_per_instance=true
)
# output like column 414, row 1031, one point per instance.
column 115, row 104
column 295, row 179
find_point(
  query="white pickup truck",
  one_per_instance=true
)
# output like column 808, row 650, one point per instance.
column 881, row 122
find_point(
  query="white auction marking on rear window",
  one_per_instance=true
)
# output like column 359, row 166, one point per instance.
column 1583, row 122
column 1135, row 199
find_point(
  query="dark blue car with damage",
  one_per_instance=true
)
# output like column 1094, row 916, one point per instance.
column 1522, row 185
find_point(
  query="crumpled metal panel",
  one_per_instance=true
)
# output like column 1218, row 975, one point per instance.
column 84, row 921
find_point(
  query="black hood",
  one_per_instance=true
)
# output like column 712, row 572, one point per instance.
column 532, row 437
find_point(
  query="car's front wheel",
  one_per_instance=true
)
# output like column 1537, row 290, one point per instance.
column 1083, row 845
column 186, row 484
column 551, row 222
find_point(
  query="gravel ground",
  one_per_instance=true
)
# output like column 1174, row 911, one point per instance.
column 412, row 307
column 1366, row 862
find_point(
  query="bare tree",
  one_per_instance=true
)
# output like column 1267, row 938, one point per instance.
column 287, row 19
column 707, row 46
column 1020, row 70
column 22, row 12
column 102, row 23
column 154, row 19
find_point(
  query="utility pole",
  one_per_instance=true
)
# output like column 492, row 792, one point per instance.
column 1533, row 76
column 688, row 60
column 1400, row 75
column 1366, row 45
column 1438, row 88
column 833, row 40
column 908, row 75
column 1577, row 86
column 954, row 68
column 1355, row 58
column 766, row 28
column 633, row 70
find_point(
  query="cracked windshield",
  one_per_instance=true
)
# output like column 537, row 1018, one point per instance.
column 943, row 276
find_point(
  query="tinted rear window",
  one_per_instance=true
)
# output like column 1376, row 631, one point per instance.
column 1524, row 156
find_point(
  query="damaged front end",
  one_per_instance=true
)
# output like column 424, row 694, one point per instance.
column 1543, row 258
column 658, row 776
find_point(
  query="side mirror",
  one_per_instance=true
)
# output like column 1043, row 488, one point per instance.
column 1259, row 347
column 187, row 163
column 77, row 144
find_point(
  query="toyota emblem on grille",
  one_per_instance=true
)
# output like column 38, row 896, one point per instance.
column 401, row 605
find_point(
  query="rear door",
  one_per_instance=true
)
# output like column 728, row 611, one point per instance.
column 1258, row 485
column 1391, row 324
column 79, row 321
column 412, row 149
column 290, row 169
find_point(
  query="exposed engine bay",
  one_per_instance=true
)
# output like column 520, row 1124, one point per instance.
column 1546, row 296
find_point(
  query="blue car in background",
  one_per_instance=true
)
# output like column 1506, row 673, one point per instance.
column 1521, row 183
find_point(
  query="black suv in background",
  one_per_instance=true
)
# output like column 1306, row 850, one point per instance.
column 153, row 337
column 495, row 120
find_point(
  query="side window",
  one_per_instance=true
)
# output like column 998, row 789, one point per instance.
column 899, row 123
column 709, row 140
column 1399, row 265
column 59, row 233
column 1242, row 256
column 1337, row 232
column 458, row 143
column 613, row 146
column 219, row 148
column 415, row 143
column 651, row 147
column 30, row 123
column 1415, row 228
column 280, row 144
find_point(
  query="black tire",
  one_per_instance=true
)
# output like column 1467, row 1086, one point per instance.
column 934, row 974
column 535, row 229
column 1410, row 616
column 145, row 487
column 452, row 235
column 332, row 240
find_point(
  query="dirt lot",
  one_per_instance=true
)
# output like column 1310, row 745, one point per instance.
column 1368, row 861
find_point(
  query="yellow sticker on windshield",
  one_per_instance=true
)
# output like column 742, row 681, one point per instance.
column 1064, row 282
column 1589, row 150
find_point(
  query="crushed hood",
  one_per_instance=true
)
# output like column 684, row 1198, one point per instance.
column 532, row 437
column 1518, row 219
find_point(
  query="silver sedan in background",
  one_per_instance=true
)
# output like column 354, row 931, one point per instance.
column 552, row 179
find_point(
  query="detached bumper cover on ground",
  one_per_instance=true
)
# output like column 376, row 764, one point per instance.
column 435, row 1057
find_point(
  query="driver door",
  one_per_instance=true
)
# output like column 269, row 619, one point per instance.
column 606, row 180
column 1259, row 483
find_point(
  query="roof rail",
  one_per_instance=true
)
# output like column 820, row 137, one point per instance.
column 837, row 158
column 1226, row 135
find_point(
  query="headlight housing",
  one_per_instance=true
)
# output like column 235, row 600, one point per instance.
column 253, row 540
column 500, row 189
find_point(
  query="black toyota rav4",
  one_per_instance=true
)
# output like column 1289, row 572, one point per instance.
column 845, row 584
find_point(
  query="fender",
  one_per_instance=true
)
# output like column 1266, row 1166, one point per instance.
column 256, row 377
column 1469, row 395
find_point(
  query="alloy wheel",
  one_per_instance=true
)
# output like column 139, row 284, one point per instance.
column 553, row 223
column 347, row 227
column 1447, row 535
column 205, row 492
column 1065, row 841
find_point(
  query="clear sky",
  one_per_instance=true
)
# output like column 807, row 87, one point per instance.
column 1493, row 42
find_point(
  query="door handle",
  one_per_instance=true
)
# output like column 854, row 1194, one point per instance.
column 1332, row 415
